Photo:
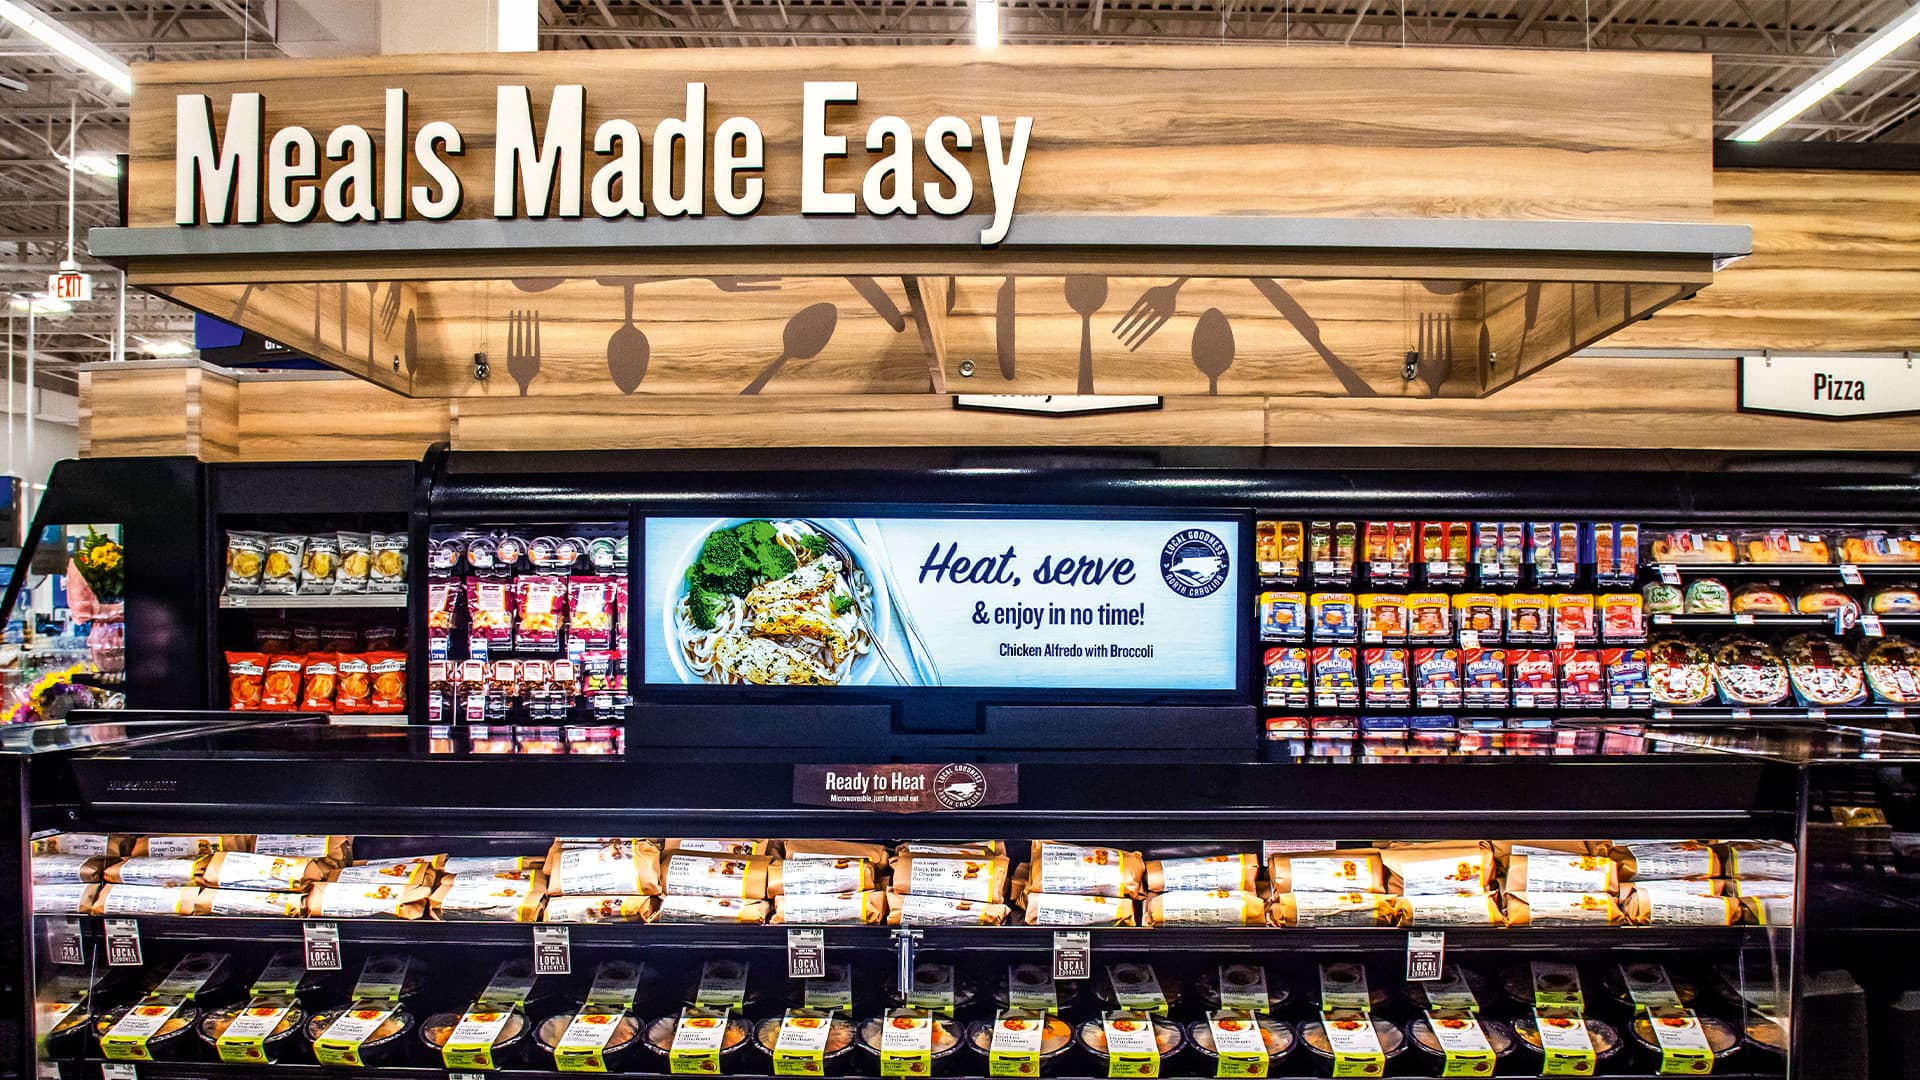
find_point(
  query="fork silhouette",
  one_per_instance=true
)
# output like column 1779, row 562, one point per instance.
column 1148, row 314
column 523, row 347
column 390, row 309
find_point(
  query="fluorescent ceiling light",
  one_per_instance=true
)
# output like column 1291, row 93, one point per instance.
column 518, row 27
column 986, row 24
column 69, row 44
column 167, row 347
column 91, row 164
column 1834, row 76
column 41, row 304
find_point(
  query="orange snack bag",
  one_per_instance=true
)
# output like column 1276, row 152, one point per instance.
column 246, row 672
column 388, row 671
column 323, row 675
column 280, row 691
column 354, row 689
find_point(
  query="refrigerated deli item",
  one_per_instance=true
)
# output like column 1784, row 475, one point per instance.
column 268, row 873
column 1823, row 672
column 1893, row 671
column 1429, row 616
column 1787, row 546
column 1056, row 867
column 1534, row 680
column 846, row 908
column 1239, row 872
column 742, row 877
column 1484, row 681
column 1824, row 600
column 1622, row 618
column 1544, row 908
column 1575, row 618
column 1335, row 617
column 1439, row 869
column 144, row 900
column 1878, row 546
column 1664, row 598
column 1771, row 860
column 1659, row 907
column 1760, row 598
column 1383, row 616
column 1708, row 596
column 352, row 900
column 1562, row 872
column 1749, row 672
column 1387, row 678
column 68, row 869
column 1687, row 546
column 1668, row 859
column 1336, row 676
column 1679, row 672
column 88, row 845
column 618, row 867
column 1215, row 907
column 1454, row 910
column 1895, row 600
column 1283, row 616
column 955, row 877
column 1328, row 909
column 1438, row 1037
column 597, row 909
column 1076, row 909
column 709, row 909
column 1529, row 618
column 820, row 875
column 1333, row 871
column 251, row 902
column 1436, row 678
column 159, row 870
column 1479, row 612
column 1289, row 677
column 189, row 845
column 503, row 896
column 910, row 910
column 64, row 899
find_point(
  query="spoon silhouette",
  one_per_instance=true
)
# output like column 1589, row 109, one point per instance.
column 1085, row 294
column 807, row 333
column 1213, row 347
column 627, row 352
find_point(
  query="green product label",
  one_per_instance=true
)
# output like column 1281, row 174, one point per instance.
column 582, row 1047
column 800, row 1048
column 471, row 1044
column 1565, row 1045
column 245, row 1040
column 906, row 1043
column 1240, row 1048
column 340, row 1043
column 1014, row 1049
column 281, row 977
column 1132, row 1049
column 697, row 1041
column 127, row 1040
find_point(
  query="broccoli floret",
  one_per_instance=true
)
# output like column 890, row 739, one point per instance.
column 703, row 605
column 754, row 534
column 775, row 561
column 842, row 604
column 740, row 580
column 815, row 542
column 721, row 552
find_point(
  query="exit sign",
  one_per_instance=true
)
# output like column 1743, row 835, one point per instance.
column 71, row 286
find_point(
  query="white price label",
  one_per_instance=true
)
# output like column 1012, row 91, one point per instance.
column 322, row 945
column 64, row 942
column 1469, row 639
column 123, row 943
column 1072, row 955
column 1426, row 954
column 1871, row 626
column 1663, row 619
column 552, row 950
column 1850, row 574
column 807, row 954
column 1744, row 618
column 118, row 1070
column 1670, row 573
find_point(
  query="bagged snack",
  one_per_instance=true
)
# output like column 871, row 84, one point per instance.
column 262, row 873
column 1214, row 907
column 1708, row 596
column 320, row 565
column 490, row 607
column 1749, row 672
column 321, row 673
column 1204, row 873
column 803, row 876
column 246, row 678
column 280, row 687
column 743, row 877
column 1439, row 869
column 1333, row 871
column 353, row 691
column 388, row 688
column 955, row 877
column 382, row 635
column 913, row 910
column 356, row 562
column 246, row 559
column 599, row 909
column 1074, row 909
column 542, row 603
column 338, row 637
column 1337, row 909
column 343, row 900
column 591, row 601
column 273, row 637
column 443, row 603
column 306, row 637
column 1665, row 599
column 1083, row 870
column 1679, row 672
column 1760, row 598
column 1893, row 671
column 620, row 867
column 1563, row 909
column 280, row 574
column 389, row 569
column 710, row 909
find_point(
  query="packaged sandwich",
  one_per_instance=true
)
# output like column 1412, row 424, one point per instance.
column 488, row 898
column 1346, row 870
column 246, row 559
column 88, row 845
column 1795, row 546
column 1215, row 907
column 331, row 849
column 624, row 867
column 69, row 898
column 709, row 909
column 877, row 854
column 1204, row 873
column 1879, row 546
column 251, row 903
column 1644, row 907
column 599, row 909
column 267, row 873
column 1563, row 909
column 1760, row 598
column 144, row 900
column 162, row 872
column 686, row 873
column 1337, row 909
column 867, row 906
column 1672, row 859
column 1480, row 909
column 914, row 910
column 1566, row 872
column 816, row 875
column 60, row 869
column 1690, row 547
column 1445, row 868
column 978, row 848
column 1076, row 909
column 350, row 900
column 1895, row 600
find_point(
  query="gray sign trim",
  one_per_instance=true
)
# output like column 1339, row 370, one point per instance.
column 1029, row 233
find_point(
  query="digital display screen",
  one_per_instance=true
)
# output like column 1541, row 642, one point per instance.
column 955, row 602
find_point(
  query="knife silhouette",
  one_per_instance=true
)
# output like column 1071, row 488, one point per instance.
column 877, row 298
column 1003, row 312
column 1290, row 308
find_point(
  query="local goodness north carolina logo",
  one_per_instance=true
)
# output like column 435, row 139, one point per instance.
column 1194, row 563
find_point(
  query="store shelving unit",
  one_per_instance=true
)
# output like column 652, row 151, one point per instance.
column 344, row 601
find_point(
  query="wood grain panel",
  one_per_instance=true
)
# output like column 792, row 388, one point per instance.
column 137, row 413
column 1835, row 266
column 1125, row 130
column 335, row 420
column 343, row 324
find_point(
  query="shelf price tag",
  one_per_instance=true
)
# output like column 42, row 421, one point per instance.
column 117, row 1070
column 806, row 954
column 1871, row 626
column 1816, row 714
column 1426, row 954
column 1670, row 573
column 1072, row 955
column 1662, row 619
column 552, row 950
column 322, row 940
column 1469, row 639
column 123, row 943
column 1850, row 574
column 64, row 942
column 1743, row 618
